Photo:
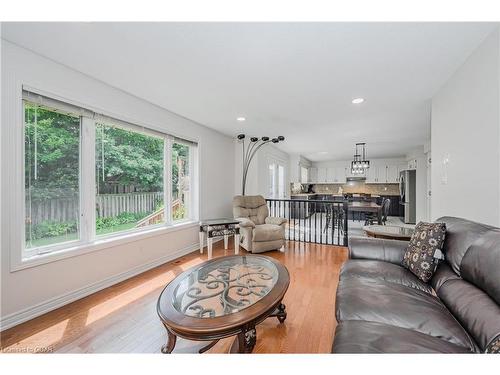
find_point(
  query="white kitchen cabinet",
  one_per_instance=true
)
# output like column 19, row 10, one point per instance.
column 336, row 175
column 322, row 175
column 412, row 164
column 330, row 175
column 372, row 174
column 340, row 175
column 392, row 175
column 313, row 175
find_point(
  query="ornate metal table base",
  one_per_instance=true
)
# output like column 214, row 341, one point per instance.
column 244, row 342
column 280, row 312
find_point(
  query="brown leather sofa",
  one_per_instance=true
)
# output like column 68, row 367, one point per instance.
column 383, row 308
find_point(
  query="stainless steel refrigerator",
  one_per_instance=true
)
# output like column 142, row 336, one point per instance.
column 407, row 190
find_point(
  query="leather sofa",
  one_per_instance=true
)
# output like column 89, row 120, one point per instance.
column 383, row 308
column 258, row 231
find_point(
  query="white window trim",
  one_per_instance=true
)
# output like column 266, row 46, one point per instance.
column 99, row 244
column 21, row 258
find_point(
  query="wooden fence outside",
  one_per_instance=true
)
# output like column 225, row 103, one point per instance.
column 107, row 205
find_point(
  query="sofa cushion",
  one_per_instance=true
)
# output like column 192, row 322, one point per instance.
column 268, row 232
column 442, row 275
column 420, row 258
column 369, row 337
column 474, row 309
column 481, row 264
column 400, row 306
column 384, row 271
column 460, row 234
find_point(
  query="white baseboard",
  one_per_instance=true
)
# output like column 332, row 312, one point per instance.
column 29, row 313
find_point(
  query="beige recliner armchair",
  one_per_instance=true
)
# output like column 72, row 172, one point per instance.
column 258, row 231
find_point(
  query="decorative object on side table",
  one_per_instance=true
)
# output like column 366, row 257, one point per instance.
column 249, row 152
column 223, row 297
column 219, row 227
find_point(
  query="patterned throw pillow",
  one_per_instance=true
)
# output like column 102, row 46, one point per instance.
column 494, row 346
column 424, row 250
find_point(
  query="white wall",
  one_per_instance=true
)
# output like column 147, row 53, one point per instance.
column 465, row 134
column 32, row 291
column 296, row 162
column 257, row 177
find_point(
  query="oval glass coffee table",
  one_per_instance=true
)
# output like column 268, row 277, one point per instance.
column 389, row 232
column 223, row 297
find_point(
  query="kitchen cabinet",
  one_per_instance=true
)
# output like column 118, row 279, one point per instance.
column 372, row 174
column 392, row 175
column 384, row 174
column 395, row 207
column 322, row 175
column 313, row 175
column 412, row 164
column 336, row 175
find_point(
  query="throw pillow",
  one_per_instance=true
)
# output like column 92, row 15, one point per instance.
column 494, row 346
column 424, row 250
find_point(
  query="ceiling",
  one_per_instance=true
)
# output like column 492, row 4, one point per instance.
column 290, row 79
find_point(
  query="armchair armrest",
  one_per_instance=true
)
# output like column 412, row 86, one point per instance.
column 391, row 251
column 245, row 222
column 275, row 220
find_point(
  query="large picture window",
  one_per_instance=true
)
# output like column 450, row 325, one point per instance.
column 88, row 176
column 52, row 172
column 129, row 179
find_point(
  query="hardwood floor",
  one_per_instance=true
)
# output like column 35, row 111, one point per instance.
column 122, row 318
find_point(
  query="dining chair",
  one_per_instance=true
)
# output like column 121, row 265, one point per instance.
column 386, row 206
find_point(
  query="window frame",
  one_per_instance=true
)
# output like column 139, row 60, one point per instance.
column 88, row 241
column 273, row 186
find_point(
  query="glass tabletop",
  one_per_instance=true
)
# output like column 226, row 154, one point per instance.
column 224, row 286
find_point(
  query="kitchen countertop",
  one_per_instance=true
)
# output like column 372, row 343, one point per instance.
column 357, row 195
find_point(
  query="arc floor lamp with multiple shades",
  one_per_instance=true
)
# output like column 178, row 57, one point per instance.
column 250, row 148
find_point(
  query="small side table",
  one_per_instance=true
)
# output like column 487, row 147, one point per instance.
column 219, row 227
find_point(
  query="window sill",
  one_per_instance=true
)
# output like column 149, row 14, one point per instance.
column 98, row 244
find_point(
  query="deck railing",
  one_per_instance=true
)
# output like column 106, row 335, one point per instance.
column 317, row 221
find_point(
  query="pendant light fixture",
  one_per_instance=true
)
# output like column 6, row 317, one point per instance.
column 359, row 164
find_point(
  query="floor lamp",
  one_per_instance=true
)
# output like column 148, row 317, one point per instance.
column 249, row 151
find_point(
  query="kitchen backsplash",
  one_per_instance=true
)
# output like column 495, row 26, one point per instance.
column 354, row 187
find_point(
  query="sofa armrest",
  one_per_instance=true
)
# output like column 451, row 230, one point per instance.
column 391, row 251
column 245, row 222
column 275, row 220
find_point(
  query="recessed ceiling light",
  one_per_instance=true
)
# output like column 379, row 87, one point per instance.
column 323, row 152
column 358, row 101
column 240, row 119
